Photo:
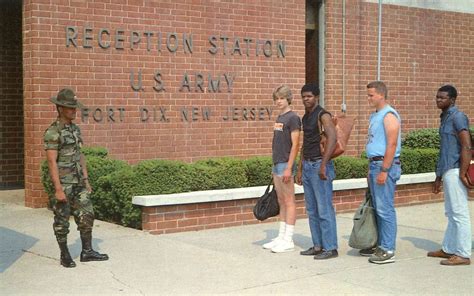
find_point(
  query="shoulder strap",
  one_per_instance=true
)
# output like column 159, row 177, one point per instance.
column 320, row 123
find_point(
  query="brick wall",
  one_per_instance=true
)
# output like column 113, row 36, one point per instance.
column 178, row 218
column 11, row 98
column 101, row 76
column 422, row 49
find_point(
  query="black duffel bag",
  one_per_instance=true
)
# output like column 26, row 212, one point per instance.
column 267, row 205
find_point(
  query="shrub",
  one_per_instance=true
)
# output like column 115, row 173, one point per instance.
column 258, row 170
column 115, row 183
column 418, row 160
column 226, row 172
column 350, row 167
column 423, row 138
column 95, row 151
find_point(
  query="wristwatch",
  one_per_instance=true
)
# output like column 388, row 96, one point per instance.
column 385, row 170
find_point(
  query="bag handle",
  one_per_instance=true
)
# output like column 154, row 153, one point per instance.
column 268, row 187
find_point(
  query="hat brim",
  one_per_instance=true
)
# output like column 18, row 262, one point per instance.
column 78, row 104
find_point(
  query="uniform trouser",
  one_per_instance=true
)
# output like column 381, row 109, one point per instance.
column 79, row 205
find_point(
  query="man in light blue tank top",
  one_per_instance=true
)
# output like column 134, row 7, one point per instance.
column 383, row 151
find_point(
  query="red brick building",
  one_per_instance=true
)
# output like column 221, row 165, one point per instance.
column 193, row 79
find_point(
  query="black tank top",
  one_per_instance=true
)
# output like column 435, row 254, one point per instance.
column 311, row 137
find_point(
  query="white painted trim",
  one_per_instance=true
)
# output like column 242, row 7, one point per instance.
column 463, row 6
column 253, row 192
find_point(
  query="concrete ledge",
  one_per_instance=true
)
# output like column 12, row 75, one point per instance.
column 252, row 192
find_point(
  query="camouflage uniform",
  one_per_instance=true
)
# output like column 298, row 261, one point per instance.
column 66, row 139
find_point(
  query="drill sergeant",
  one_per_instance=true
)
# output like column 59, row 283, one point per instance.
column 68, row 171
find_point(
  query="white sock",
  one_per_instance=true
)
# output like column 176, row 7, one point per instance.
column 281, row 232
column 289, row 230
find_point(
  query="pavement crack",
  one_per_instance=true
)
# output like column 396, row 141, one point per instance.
column 40, row 255
column 114, row 277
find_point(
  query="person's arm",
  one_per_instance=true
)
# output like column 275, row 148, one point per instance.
column 331, row 138
column 392, row 129
column 299, row 172
column 295, row 140
column 51, row 156
column 465, row 139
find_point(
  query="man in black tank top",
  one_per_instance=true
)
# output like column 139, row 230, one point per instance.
column 316, row 173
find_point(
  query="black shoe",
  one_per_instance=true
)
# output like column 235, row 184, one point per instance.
column 88, row 254
column 66, row 259
column 312, row 251
column 91, row 255
column 367, row 252
column 326, row 255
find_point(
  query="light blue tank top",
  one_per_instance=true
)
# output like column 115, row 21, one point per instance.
column 377, row 141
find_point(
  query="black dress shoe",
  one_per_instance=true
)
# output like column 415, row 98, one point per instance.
column 326, row 255
column 312, row 251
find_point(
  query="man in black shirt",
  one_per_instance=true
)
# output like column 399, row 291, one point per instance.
column 316, row 173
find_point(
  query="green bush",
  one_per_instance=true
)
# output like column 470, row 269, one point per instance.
column 95, row 151
column 424, row 138
column 115, row 183
column 225, row 172
column 259, row 170
column 350, row 167
column 418, row 160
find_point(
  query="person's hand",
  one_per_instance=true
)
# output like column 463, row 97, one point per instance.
column 381, row 178
column 437, row 186
column 464, row 180
column 299, row 175
column 286, row 177
column 60, row 196
column 322, row 173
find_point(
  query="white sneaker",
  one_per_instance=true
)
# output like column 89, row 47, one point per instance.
column 283, row 246
column 272, row 243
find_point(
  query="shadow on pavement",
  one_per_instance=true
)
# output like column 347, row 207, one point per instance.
column 422, row 243
column 12, row 246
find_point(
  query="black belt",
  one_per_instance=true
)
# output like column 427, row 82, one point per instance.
column 379, row 158
column 313, row 159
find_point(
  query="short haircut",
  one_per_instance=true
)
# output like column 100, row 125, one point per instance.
column 451, row 90
column 379, row 87
column 311, row 87
column 283, row 91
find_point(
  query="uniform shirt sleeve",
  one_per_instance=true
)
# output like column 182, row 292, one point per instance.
column 460, row 122
column 294, row 123
column 51, row 139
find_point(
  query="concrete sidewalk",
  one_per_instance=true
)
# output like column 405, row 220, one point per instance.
column 221, row 261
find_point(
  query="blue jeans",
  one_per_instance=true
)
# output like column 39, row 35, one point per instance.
column 280, row 167
column 457, row 239
column 383, row 200
column 319, row 207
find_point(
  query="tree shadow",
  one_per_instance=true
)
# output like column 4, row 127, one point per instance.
column 12, row 245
